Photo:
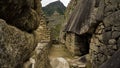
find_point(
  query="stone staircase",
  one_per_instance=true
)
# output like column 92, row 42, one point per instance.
column 77, row 62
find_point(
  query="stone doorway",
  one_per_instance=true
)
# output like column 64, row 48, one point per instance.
column 82, row 44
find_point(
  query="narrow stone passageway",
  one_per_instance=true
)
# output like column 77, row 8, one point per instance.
column 59, row 51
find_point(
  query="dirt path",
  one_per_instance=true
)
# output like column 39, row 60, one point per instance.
column 59, row 50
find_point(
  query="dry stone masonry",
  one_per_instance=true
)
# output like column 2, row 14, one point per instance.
column 101, row 30
column 43, row 32
column 105, row 40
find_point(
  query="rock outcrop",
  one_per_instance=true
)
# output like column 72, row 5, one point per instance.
column 101, row 23
column 71, row 6
column 15, row 45
column 20, row 23
column 22, row 14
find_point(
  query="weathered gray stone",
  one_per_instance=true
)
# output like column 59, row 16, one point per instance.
column 110, row 51
column 94, row 47
column 115, row 34
column 15, row 46
column 108, row 28
column 100, row 13
column 102, row 56
column 111, row 5
column 113, row 47
column 113, row 62
column 112, row 19
column 107, row 36
column 116, row 28
column 21, row 14
column 118, row 43
column 17, row 39
column 28, row 21
column 59, row 63
column 100, row 37
column 112, row 41
column 14, row 6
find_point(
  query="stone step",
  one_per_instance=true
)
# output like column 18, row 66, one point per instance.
column 78, row 66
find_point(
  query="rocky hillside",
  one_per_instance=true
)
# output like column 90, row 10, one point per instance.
column 55, row 15
column 55, row 22
column 54, row 6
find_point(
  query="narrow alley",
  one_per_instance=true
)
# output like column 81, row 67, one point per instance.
column 59, row 51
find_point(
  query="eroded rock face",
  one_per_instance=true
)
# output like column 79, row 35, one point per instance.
column 15, row 45
column 27, row 21
column 22, row 14
column 19, row 34
column 71, row 6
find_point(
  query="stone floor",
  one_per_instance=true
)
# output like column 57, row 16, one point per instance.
column 58, row 50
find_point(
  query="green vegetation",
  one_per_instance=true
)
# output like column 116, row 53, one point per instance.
column 56, row 31
column 54, row 6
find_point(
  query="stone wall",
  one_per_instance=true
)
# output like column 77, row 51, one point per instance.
column 43, row 33
column 70, row 43
column 105, row 40
column 39, row 57
column 104, row 26
column 77, row 45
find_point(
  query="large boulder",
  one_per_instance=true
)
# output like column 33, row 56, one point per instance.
column 19, row 35
column 10, row 9
column 22, row 14
column 59, row 63
column 15, row 46
column 27, row 21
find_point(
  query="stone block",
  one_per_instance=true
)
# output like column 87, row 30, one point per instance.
column 112, row 19
column 115, row 34
column 112, row 41
column 107, row 36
